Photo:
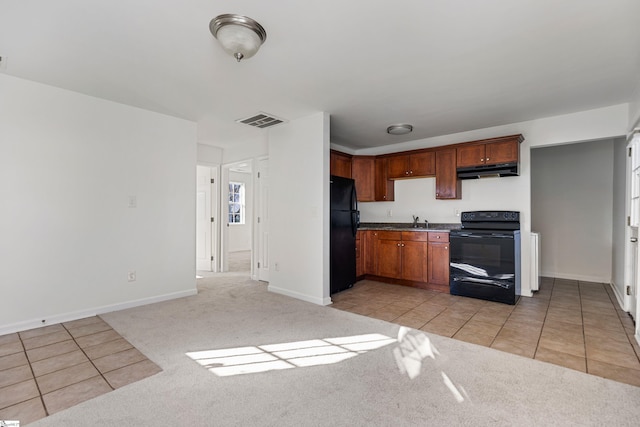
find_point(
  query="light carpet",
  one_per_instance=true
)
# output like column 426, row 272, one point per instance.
column 463, row 384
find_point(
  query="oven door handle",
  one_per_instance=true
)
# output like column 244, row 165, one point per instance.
column 480, row 236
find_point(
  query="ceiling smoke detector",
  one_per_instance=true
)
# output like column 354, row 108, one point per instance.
column 262, row 120
column 399, row 129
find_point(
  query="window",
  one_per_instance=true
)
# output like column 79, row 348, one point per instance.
column 236, row 203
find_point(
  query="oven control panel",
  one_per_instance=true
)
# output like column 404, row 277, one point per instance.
column 491, row 216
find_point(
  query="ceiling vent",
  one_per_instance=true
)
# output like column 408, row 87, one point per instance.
column 262, row 120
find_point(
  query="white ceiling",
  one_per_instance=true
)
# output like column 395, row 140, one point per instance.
column 444, row 66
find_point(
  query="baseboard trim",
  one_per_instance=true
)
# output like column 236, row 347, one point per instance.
column 81, row 314
column 619, row 297
column 297, row 295
column 596, row 279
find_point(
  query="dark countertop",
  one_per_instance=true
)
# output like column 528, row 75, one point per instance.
column 407, row 226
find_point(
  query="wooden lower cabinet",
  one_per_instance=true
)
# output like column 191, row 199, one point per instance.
column 412, row 258
column 438, row 259
column 389, row 254
column 359, row 256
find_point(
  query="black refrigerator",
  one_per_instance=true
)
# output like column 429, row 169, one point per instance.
column 344, row 225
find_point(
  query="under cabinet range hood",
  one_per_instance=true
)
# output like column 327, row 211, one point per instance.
column 487, row 171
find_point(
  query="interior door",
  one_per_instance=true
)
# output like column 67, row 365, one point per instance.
column 262, row 252
column 204, row 257
column 632, row 259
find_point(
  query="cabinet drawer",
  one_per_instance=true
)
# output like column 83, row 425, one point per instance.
column 415, row 236
column 389, row 235
column 438, row 236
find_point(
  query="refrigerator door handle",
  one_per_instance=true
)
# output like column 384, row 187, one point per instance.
column 354, row 223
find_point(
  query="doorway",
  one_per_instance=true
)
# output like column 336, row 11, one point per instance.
column 237, row 213
column 206, row 214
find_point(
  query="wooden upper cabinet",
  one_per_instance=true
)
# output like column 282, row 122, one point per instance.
column 502, row 152
column 448, row 186
column 499, row 150
column 340, row 164
column 414, row 165
column 472, row 155
column 383, row 188
column 398, row 166
column 363, row 173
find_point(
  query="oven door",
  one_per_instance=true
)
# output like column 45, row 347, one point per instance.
column 485, row 264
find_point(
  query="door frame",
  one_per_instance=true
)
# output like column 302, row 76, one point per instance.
column 632, row 252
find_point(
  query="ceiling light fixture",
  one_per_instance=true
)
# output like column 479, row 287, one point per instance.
column 239, row 35
column 401, row 129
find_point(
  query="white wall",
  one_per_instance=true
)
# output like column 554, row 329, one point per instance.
column 240, row 234
column 572, row 209
column 496, row 193
column 299, row 209
column 209, row 155
column 68, row 166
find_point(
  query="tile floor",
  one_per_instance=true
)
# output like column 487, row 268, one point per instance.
column 48, row 369
column 574, row 324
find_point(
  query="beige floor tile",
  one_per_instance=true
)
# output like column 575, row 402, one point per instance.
column 52, row 350
column 526, row 336
column 107, row 348
column 609, row 344
column 76, row 393
column 56, row 363
column 473, row 337
column 65, row 377
column 384, row 315
column 13, row 360
column 11, row 348
column 603, row 322
column 562, row 359
column 410, row 322
column 481, row 328
column 132, row 373
column 613, row 372
column 118, row 360
column 93, row 328
column 493, row 318
column 442, row 329
column 9, row 338
column 514, row 347
column 98, row 338
column 26, row 412
column 617, row 358
column 424, row 315
column 15, row 375
column 560, row 344
column 575, row 319
column 559, row 326
column 82, row 322
column 42, row 340
column 17, row 393
column 45, row 330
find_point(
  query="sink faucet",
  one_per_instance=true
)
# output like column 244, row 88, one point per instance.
column 415, row 221
column 426, row 224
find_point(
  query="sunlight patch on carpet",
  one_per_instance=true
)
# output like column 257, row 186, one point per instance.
column 271, row 357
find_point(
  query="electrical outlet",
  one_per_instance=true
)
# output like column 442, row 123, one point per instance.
column 389, row 213
column 131, row 276
column 3, row 62
column 276, row 266
column 457, row 212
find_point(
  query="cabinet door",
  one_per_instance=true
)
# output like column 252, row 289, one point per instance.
column 448, row 186
column 359, row 257
column 438, row 270
column 369, row 252
column 414, row 261
column 383, row 188
column 340, row 164
column 398, row 167
column 422, row 164
column 389, row 254
column 471, row 155
column 363, row 173
column 502, row 152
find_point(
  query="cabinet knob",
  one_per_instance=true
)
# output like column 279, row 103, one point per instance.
column 398, row 244
column 446, row 247
column 437, row 237
column 410, row 172
column 487, row 159
column 406, row 172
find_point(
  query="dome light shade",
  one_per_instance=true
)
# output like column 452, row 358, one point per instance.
column 239, row 35
column 400, row 129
